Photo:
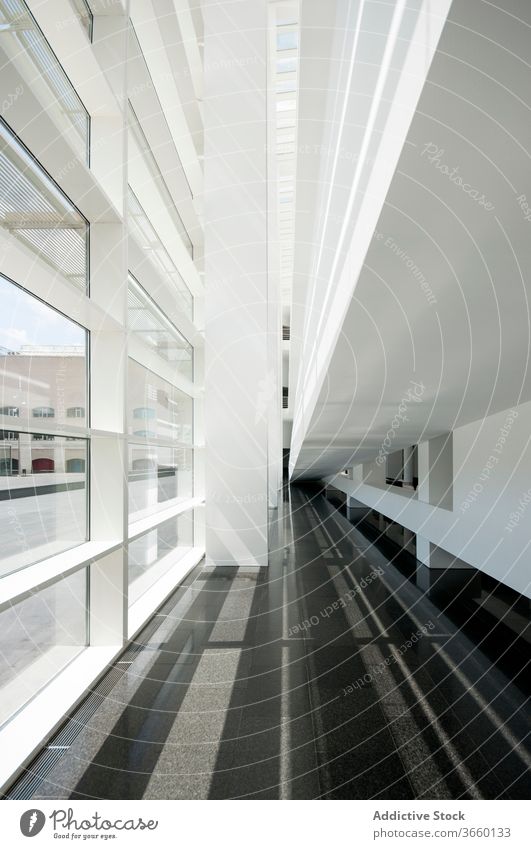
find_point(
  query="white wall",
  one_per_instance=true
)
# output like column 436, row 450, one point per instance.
column 488, row 526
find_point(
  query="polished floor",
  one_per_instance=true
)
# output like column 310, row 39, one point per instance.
column 330, row 675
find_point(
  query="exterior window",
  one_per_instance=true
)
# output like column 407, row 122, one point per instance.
column 43, row 437
column 23, row 45
column 39, row 635
column 170, row 416
column 139, row 145
column 154, row 553
column 76, row 413
column 34, row 210
column 150, row 325
column 158, row 475
column 43, row 361
column 147, row 237
column 8, row 466
column 144, row 413
column 75, row 464
column 47, row 507
column 287, row 40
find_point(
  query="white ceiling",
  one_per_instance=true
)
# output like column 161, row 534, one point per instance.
column 469, row 349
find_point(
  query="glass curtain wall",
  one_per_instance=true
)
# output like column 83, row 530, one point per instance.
column 40, row 634
column 25, row 50
column 70, row 368
column 34, row 210
column 154, row 553
column 43, row 464
column 148, row 323
column 148, row 239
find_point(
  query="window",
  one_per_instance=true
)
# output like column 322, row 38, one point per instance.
column 43, row 436
column 148, row 323
column 154, row 553
column 34, row 210
column 75, row 413
column 287, row 87
column 43, row 511
column 8, row 466
column 287, row 40
column 136, row 55
column 39, row 635
column 286, row 66
column 43, row 362
column 75, row 464
column 144, row 413
column 158, row 475
column 84, row 15
column 138, row 144
column 168, row 409
column 148, row 239
column 22, row 40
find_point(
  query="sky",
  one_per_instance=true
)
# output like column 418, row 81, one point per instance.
column 24, row 320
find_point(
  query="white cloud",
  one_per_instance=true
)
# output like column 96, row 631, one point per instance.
column 10, row 337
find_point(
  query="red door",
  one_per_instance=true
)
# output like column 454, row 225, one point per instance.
column 43, row 464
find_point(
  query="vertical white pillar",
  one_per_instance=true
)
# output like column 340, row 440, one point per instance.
column 435, row 460
column 24, row 457
column 275, row 354
column 108, row 351
column 408, row 465
column 239, row 384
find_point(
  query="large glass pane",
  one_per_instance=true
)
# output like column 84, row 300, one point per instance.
column 158, row 477
column 34, row 210
column 43, row 363
column 148, row 239
column 153, row 554
column 138, row 144
column 39, row 636
column 149, row 323
column 287, row 40
column 43, row 496
column 24, row 48
column 156, row 409
column 141, row 83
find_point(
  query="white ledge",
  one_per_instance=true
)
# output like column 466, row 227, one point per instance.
column 31, row 578
column 141, row 526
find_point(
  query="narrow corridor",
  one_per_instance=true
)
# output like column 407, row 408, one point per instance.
column 328, row 676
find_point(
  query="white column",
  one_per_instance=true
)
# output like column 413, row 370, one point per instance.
column 435, row 460
column 239, row 384
column 355, row 509
column 108, row 352
column 408, row 465
column 24, row 453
